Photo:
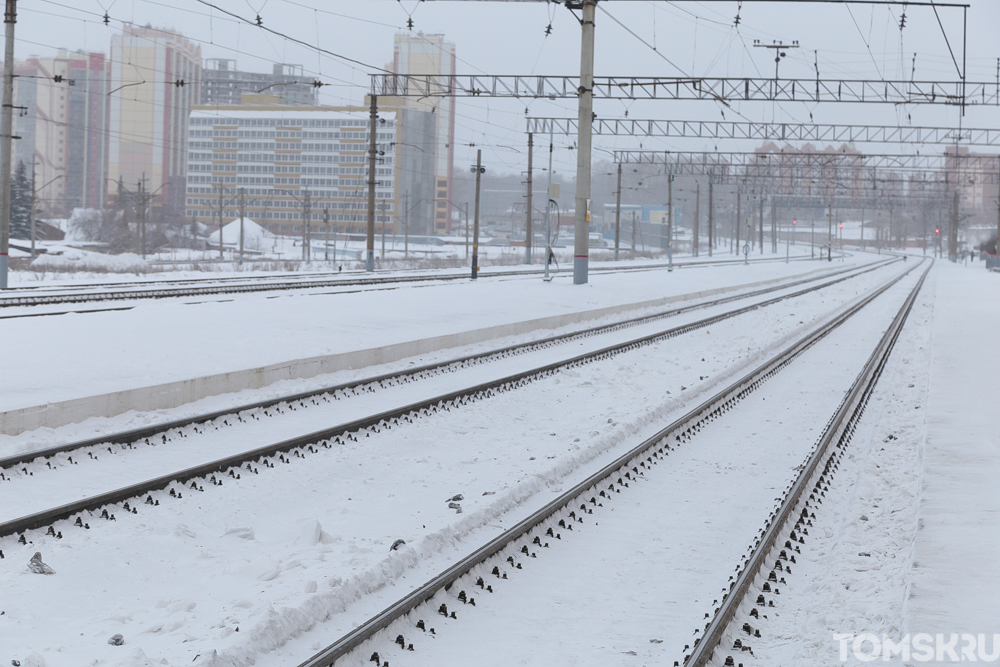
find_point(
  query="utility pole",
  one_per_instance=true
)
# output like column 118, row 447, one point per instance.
column 736, row 231
column 711, row 221
column 326, row 234
column 618, row 210
column 6, row 136
column 633, row 234
column 953, row 231
column 141, row 202
column 581, row 246
column 527, row 223
column 774, row 226
column 406, row 225
column 243, row 213
column 812, row 240
column 861, row 243
column 31, row 213
column 306, row 227
column 479, row 169
column 467, row 230
column 760, row 220
column 670, row 223
column 548, row 201
column 697, row 219
column 372, row 132
column 221, row 246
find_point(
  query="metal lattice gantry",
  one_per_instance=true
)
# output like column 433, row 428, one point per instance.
column 726, row 90
column 811, row 132
column 679, row 162
column 586, row 88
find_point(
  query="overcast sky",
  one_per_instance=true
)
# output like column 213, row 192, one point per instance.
column 690, row 39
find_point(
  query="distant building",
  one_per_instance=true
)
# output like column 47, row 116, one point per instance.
column 155, row 78
column 278, row 153
column 431, row 54
column 62, row 122
column 976, row 176
column 222, row 83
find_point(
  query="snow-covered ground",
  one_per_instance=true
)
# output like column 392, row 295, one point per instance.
column 78, row 355
column 273, row 554
column 907, row 543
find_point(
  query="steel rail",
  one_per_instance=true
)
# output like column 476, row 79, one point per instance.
column 217, row 289
column 838, row 431
column 384, row 419
column 687, row 424
column 133, row 435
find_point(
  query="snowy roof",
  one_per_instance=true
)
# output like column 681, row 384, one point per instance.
column 231, row 232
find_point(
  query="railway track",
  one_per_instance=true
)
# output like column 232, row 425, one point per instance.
column 451, row 588
column 40, row 295
column 733, row 625
column 301, row 446
column 365, row 385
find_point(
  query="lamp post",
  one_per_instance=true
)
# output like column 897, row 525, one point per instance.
column 478, row 169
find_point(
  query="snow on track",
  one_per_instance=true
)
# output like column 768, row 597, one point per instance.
column 633, row 583
column 261, row 554
column 99, row 469
column 167, row 341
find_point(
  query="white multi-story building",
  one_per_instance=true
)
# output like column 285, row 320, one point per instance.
column 284, row 158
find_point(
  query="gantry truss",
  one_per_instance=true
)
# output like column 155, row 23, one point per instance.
column 703, row 88
column 984, row 168
column 884, row 134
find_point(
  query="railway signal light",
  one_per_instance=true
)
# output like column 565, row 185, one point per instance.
column 937, row 231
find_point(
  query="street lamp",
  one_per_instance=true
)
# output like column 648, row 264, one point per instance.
column 478, row 169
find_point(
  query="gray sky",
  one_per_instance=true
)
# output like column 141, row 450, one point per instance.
column 697, row 38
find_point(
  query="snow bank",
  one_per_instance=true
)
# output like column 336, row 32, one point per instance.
column 75, row 260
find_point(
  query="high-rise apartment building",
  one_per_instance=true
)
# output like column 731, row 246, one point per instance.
column 430, row 54
column 155, row 79
column 277, row 154
column 62, row 122
column 222, row 83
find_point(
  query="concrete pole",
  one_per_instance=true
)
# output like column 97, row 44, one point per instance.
column 581, row 246
column 326, row 235
column 697, row 220
column 953, row 231
column 406, row 225
column 862, row 241
column 243, row 214
column 475, row 219
column 527, row 222
column 372, row 155
column 736, row 231
column 633, row 234
column 711, row 220
column 548, row 195
column 670, row 223
column 6, row 132
column 306, row 225
column 618, row 211
column 31, row 213
column 141, row 199
column 760, row 225
column 774, row 227
column 221, row 206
